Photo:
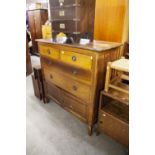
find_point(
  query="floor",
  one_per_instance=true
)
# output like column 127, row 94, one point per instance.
column 53, row 131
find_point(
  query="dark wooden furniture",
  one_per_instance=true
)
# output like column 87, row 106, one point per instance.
column 72, row 17
column 126, row 50
column 74, row 75
column 38, row 83
column 113, row 118
column 37, row 18
column 28, row 59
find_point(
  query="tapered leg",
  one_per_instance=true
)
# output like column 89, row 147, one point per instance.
column 90, row 130
column 46, row 100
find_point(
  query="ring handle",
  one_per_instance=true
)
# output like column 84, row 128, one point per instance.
column 73, row 58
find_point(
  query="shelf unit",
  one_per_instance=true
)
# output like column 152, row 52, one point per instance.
column 72, row 17
column 113, row 118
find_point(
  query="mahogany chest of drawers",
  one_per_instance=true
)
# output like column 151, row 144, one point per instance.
column 74, row 75
column 72, row 17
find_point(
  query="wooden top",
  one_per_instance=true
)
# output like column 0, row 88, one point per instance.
column 97, row 46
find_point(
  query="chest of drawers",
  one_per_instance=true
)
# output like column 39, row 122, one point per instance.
column 72, row 17
column 74, row 75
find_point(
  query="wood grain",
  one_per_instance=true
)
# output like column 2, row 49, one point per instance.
column 49, row 52
column 76, row 88
column 111, row 20
column 76, row 59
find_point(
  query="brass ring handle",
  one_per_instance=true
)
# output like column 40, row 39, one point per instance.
column 74, row 88
column 51, row 76
column 74, row 58
column 74, row 72
column 48, row 51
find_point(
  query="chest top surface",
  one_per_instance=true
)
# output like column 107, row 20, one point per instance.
column 96, row 46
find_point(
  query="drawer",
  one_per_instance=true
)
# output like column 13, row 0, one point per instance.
column 76, row 107
column 69, row 70
column 54, row 92
column 77, row 89
column 49, row 52
column 66, row 26
column 65, row 13
column 55, row 3
column 76, row 59
column 114, row 127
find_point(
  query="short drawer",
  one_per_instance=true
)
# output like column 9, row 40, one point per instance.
column 49, row 52
column 78, row 89
column 76, row 59
column 74, row 72
column 56, row 3
column 65, row 13
column 114, row 127
column 76, row 107
column 66, row 26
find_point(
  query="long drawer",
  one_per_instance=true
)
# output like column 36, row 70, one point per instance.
column 74, row 72
column 114, row 127
column 74, row 106
column 49, row 52
column 81, row 91
column 54, row 92
column 76, row 59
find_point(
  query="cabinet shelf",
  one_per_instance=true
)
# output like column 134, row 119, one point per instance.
column 113, row 104
column 121, row 113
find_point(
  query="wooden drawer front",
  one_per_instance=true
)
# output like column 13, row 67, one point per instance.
column 76, row 73
column 74, row 106
column 66, row 26
column 49, row 52
column 65, row 13
column 55, row 3
column 54, row 91
column 76, row 59
column 79, row 90
column 114, row 127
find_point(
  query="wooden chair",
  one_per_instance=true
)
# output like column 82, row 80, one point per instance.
column 121, row 67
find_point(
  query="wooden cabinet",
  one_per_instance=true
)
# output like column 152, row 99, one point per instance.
column 113, row 118
column 73, row 78
column 37, row 18
column 73, row 17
